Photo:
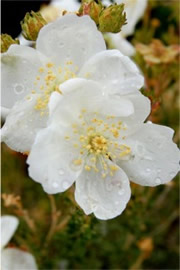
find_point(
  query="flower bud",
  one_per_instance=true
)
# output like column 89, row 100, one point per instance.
column 7, row 41
column 91, row 8
column 31, row 25
column 112, row 18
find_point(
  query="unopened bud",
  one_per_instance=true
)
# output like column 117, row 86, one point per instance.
column 31, row 25
column 112, row 18
column 91, row 8
column 7, row 41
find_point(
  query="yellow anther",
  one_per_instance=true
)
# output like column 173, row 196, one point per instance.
column 87, row 168
column 113, row 168
column 67, row 137
column 88, row 147
column 49, row 65
column 83, row 110
column 41, row 69
column 69, row 63
column 75, row 145
column 77, row 162
column 33, row 92
column 38, row 78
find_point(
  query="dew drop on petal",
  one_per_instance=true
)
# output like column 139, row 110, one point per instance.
column 158, row 170
column 158, row 181
column 65, row 184
column 55, row 184
column 61, row 44
column 148, row 170
column 61, row 172
column 18, row 89
column 121, row 191
column 115, row 81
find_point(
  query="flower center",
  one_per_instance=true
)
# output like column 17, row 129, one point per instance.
column 99, row 141
column 48, row 79
column 99, row 144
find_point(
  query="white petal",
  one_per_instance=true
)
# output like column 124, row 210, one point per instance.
column 81, row 94
column 20, row 65
column 8, row 227
column 142, row 108
column 70, row 38
column 134, row 11
column 51, row 160
column 106, row 198
column 120, row 43
column 24, row 41
column 15, row 259
column 69, row 5
column 116, row 72
column 22, row 124
column 4, row 113
column 155, row 158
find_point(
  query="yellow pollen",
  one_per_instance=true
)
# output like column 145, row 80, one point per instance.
column 41, row 69
column 77, row 162
column 87, row 168
column 49, row 65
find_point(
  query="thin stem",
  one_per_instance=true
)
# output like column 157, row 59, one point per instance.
column 54, row 219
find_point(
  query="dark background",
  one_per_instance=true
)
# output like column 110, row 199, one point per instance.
column 12, row 12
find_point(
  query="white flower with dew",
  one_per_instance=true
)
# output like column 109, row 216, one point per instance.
column 13, row 258
column 67, row 48
column 99, row 141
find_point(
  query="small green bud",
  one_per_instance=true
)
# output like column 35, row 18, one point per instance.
column 31, row 25
column 112, row 18
column 91, row 8
column 7, row 41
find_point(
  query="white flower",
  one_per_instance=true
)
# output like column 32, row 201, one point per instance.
column 69, row 5
column 134, row 11
column 67, row 48
column 13, row 258
column 99, row 141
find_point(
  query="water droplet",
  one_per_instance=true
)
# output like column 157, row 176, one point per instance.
column 65, row 184
column 158, row 170
column 55, row 184
column 117, row 202
column 158, row 181
column 121, row 191
column 18, row 89
column 148, row 170
column 61, row 172
column 115, row 81
column 61, row 44
column 28, row 98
